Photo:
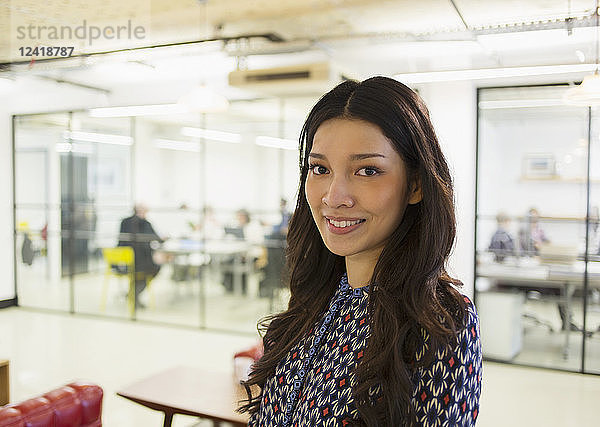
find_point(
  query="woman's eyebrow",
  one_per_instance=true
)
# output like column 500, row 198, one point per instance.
column 363, row 156
column 353, row 157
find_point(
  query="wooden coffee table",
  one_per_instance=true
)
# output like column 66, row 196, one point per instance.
column 190, row 391
column 4, row 383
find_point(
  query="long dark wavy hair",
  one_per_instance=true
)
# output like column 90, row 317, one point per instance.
column 410, row 291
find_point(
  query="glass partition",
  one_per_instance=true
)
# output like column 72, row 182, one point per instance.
column 532, row 198
column 215, row 189
column 592, row 348
column 96, row 193
column 38, row 149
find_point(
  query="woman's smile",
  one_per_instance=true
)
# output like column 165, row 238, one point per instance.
column 343, row 225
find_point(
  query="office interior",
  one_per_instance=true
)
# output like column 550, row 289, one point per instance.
column 198, row 124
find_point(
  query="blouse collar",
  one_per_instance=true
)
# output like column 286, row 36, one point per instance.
column 355, row 292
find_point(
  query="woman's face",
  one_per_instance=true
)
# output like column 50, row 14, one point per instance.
column 356, row 187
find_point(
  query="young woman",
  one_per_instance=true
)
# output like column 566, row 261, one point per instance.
column 376, row 333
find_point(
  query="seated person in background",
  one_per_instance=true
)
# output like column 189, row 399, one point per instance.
column 210, row 226
column 531, row 236
column 531, row 239
column 502, row 243
column 281, row 228
column 137, row 232
column 187, row 223
column 275, row 245
column 252, row 232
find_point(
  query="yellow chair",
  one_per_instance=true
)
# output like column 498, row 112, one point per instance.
column 122, row 256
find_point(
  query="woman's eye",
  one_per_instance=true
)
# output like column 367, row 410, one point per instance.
column 318, row 169
column 368, row 171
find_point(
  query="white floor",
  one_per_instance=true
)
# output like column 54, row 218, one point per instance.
column 47, row 350
column 190, row 303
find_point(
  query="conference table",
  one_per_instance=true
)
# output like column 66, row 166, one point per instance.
column 190, row 391
column 227, row 255
column 531, row 273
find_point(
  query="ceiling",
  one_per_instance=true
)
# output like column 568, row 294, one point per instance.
column 363, row 37
column 319, row 20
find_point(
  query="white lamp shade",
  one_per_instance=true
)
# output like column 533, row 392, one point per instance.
column 202, row 99
column 585, row 94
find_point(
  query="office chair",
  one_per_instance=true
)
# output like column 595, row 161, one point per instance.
column 273, row 279
column 120, row 262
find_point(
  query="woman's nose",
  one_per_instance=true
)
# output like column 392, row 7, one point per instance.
column 338, row 194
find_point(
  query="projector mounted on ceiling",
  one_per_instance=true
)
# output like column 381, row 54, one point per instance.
column 315, row 78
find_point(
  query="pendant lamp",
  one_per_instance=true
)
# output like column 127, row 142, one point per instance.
column 588, row 92
column 203, row 99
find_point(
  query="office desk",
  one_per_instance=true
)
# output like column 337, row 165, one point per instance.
column 216, row 251
column 190, row 391
column 532, row 274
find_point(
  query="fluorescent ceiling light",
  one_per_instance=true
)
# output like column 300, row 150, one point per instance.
column 67, row 147
column 137, row 110
column 102, row 138
column 269, row 141
column 541, row 39
column 492, row 73
column 170, row 144
column 214, row 135
column 193, row 102
column 520, row 103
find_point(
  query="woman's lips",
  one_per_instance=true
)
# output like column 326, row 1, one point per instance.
column 343, row 225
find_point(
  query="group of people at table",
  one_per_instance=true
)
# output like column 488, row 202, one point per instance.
column 137, row 232
column 531, row 241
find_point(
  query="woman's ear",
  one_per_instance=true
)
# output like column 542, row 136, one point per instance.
column 415, row 195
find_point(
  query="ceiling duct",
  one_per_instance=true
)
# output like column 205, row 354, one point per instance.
column 315, row 78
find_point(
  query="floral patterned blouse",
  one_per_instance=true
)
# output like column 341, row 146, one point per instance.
column 312, row 385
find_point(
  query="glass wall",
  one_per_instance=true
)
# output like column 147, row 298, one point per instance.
column 40, row 150
column 592, row 313
column 212, row 193
column 534, row 280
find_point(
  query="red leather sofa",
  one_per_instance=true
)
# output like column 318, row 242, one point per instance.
column 77, row 404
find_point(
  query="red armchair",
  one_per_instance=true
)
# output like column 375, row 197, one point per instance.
column 243, row 360
column 255, row 352
column 74, row 405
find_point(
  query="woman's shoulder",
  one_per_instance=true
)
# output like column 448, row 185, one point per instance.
column 451, row 382
column 467, row 330
column 467, row 324
column 467, row 343
column 464, row 350
column 471, row 317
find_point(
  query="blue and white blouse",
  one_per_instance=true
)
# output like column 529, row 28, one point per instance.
column 312, row 385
